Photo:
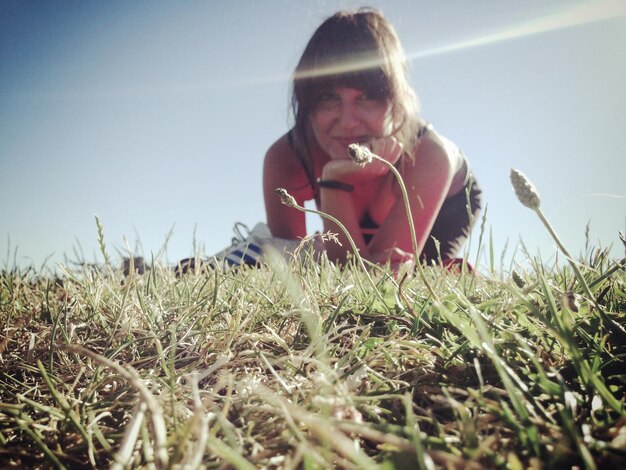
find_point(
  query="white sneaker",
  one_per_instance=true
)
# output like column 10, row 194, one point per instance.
column 245, row 249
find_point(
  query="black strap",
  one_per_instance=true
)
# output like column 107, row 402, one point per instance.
column 333, row 184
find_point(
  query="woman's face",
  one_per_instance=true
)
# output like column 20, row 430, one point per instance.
column 343, row 116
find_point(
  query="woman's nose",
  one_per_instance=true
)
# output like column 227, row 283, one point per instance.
column 349, row 116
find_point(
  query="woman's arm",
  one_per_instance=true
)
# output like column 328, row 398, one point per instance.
column 427, row 178
column 341, row 204
column 282, row 169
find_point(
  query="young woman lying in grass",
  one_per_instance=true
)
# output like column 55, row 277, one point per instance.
column 350, row 86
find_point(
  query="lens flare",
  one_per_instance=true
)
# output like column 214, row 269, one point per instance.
column 584, row 13
column 341, row 68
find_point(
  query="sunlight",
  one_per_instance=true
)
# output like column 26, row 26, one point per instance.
column 337, row 69
column 577, row 199
column 583, row 13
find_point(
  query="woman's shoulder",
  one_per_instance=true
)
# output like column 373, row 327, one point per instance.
column 281, row 150
column 282, row 157
column 433, row 146
column 436, row 145
column 283, row 166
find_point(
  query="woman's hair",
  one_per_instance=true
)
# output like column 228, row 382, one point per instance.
column 357, row 50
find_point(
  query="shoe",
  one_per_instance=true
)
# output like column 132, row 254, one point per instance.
column 245, row 248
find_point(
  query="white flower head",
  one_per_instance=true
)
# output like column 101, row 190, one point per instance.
column 525, row 190
column 360, row 154
column 286, row 198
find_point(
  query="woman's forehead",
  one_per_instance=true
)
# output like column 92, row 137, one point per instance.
column 372, row 82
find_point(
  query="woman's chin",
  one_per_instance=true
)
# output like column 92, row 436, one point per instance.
column 340, row 155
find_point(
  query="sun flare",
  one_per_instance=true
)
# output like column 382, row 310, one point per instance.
column 582, row 13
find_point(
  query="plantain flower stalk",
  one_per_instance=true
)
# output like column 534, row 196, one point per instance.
column 290, row 201
column 518, row 280
column 362, row 156
column 528, row 195
column 525, row 190
column 286, row 198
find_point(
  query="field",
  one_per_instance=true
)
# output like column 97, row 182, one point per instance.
column 299, row 363
column 307, row 365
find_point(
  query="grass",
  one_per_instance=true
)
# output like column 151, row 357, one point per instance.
column 305, row 364
column 297, row 365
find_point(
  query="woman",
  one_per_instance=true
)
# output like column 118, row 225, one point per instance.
column 350, row 86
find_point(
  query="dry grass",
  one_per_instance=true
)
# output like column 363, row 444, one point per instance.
column 301, row 365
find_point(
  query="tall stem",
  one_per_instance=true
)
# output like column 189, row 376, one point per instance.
column 409, row 214
column 292, row 203
column 578, row 274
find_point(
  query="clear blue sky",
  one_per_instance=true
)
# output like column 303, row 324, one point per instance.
column 156, row 115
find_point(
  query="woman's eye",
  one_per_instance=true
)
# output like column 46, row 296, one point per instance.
column 369, row 97
column 327, row 96
column 371, row 102
column 327, row 101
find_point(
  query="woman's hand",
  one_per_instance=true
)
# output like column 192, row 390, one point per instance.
column 347, row 171
column 396, row 257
